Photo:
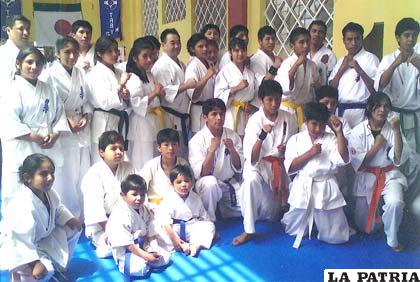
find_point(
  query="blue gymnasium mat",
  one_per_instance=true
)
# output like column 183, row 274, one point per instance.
column 268, row 258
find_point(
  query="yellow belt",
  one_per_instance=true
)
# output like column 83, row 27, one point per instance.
column 158, row 111
column 297, row 107
column 237, row 106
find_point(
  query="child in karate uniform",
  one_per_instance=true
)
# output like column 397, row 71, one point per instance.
column 314, row 155
column 130, row 230
column 41, row 233
column 186, row 222
column 376, row 146
column 69, row 82
column 101, row 188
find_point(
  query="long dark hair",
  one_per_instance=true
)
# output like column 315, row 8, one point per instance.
column 138, row 45
column 26, row 52
column 102, row 44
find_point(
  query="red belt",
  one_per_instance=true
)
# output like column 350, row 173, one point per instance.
column 280, row 178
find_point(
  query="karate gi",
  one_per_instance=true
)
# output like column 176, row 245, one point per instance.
column 314, row 192
column 29, row 109
column 158, row 183
column 225, row 59
column 35, row 233
column 8, row 54
column 228, row 77
column 404, row 91
column 256, row 192
column 127, row 226
column 352, row 89
column 199, row 230
column 197, row 70
column 102, row 90
column 168, row 73
column 89, row 57
column 260, row 64
column 75, row 146
column 324, row 70
column 101, row 190
column 144, row 123
column 303, row 91
column 215, row 189
column 360, row 142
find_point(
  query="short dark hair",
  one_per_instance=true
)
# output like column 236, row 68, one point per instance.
column 10, row 22
column 211, row 42
column 134, row 182
column 153, row 40
column 109, row 137
column 406, row 24
column 317, row 22
column 193, row 40
column 167, row 135
column 31, row 164
column 208, row 26
column 353, row 27
column 296, row 32
column 270, row 88
column 265, row 30
column 326, row 91
column 316, row 111
column 236, row 29
column 183, row 170
column 102, row 45
column 167, row 31
column 80, row 23
column 213, row 103
column 374, row 100
column 237, row 42
column 64, row 41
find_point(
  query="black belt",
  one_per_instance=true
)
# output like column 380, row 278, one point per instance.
column 123, row 120
column 183, row 118
column 232, row 193
column 349, row 106
column 198, row 103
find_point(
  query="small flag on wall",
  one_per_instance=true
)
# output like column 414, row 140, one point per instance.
column 53, row 20
column 110, row 17
column 9, row 8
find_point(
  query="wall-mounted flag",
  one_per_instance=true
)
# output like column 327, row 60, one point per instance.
column 110, row 11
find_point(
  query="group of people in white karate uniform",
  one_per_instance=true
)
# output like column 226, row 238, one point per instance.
column 150, row 153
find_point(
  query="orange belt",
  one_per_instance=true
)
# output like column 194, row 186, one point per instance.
column 279, row 182
column 379, row 173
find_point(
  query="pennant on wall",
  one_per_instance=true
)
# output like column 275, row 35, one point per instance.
column 9, row 8
column 53, row 20
column 110, row 17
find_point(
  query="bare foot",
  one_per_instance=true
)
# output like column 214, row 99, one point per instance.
column 185, row 247
column 398, row 248
column 243, row 238
column 194, row 249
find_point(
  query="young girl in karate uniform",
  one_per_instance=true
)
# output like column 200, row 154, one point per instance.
column 147, row 117
column 32, row 118
column 41, row 232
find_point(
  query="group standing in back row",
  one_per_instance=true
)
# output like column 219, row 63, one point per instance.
column 227, row 135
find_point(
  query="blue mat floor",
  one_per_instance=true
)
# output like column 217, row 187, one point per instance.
column 268, row 258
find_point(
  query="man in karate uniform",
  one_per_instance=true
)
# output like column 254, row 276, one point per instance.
column 18, row 30
column 265, row 179
column 170, row 72
column 215, row 155
column 82, row 31
column 399, row 76
column 353, row 75
column 101, row 189
column 264, row 63
column 322, row 56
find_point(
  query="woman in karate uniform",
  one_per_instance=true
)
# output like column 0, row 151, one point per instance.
column 69, row 82
column 202, row 72
column 107, row 93
column 147, row 117
column 32, row 118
